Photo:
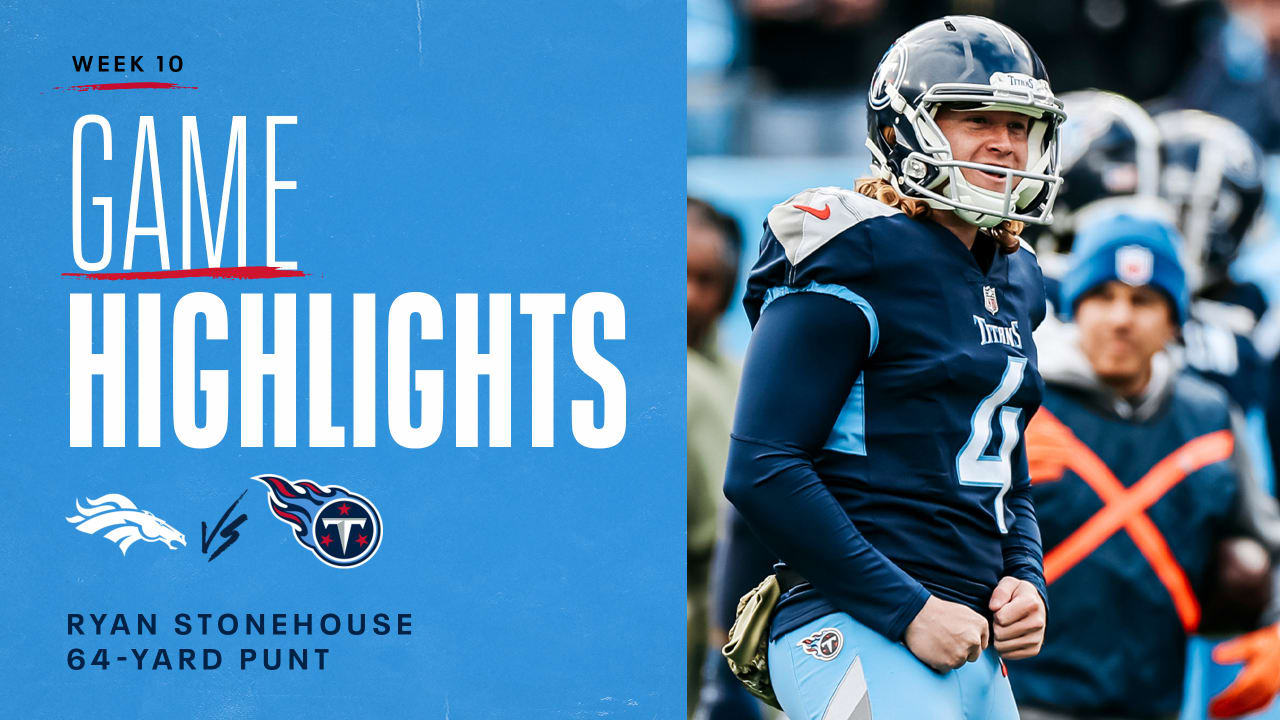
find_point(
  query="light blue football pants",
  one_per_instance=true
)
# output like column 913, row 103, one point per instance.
column 835, row 668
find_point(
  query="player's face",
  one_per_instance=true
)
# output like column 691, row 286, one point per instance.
column 706, row 279
column 1121, row 328
column 992, row 137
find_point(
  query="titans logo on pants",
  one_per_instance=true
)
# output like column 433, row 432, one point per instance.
column 341, row 528
column 824, row 644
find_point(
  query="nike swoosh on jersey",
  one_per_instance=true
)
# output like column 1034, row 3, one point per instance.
column 822, row 214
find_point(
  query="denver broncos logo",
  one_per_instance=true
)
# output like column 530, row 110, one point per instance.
column 128, row 524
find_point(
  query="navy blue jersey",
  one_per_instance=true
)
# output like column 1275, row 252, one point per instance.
column 922, row 453
column 1229, row 360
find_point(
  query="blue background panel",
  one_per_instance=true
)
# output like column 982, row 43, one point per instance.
column 444, row 148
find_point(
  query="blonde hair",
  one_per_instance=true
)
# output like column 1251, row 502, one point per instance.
column 1005, row 234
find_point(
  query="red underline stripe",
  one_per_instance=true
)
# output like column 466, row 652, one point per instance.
column 128, row 86
column 231, row 273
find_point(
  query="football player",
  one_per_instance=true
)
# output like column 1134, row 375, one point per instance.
column 877, row 445
column 1213, row 177
column 1137, row 472
column 1110, row 149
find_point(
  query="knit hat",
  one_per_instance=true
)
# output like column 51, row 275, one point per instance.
column 1136, row 249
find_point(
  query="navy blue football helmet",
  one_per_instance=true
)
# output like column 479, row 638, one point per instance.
column 1110, row 148
column 1213, row 176
column 969, row 63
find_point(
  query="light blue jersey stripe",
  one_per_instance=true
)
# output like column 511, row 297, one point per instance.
column 839, row 291
column 849, row 434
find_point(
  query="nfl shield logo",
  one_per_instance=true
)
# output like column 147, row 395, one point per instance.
column 989, row 299
column 1134, row 265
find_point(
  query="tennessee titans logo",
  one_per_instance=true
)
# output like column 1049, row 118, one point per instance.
column 340, row 527
column 824, row 644
column 888, row 77
column 128, row 524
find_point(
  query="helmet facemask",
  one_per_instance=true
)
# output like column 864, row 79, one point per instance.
column 932, row 172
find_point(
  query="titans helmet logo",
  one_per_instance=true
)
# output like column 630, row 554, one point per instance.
column 340, row 527
column 128, row 524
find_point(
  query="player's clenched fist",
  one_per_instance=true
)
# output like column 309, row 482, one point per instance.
column 1019, row 618
column 946, row 635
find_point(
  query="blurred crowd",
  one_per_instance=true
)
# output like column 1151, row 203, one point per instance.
column 785, row 77
column 1173, row 107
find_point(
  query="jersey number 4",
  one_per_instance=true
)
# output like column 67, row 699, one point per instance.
column 973, row 466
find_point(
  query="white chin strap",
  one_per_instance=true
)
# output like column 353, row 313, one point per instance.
column 972, row 195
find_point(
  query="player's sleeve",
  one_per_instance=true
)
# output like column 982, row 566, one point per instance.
column 1021, row 546
column 741, row 562
column 1256, row 513
column 807, row 350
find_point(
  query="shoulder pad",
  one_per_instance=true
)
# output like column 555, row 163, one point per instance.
column 810, row 219
column 1026, row 246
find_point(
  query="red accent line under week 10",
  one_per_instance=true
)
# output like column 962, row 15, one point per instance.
column 230, row 273
column 127, row 86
